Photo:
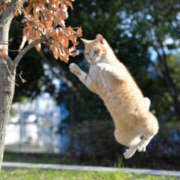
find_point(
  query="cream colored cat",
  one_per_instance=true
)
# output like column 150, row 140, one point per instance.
column 135, row 125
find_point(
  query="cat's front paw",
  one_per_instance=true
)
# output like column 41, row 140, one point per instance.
column 74, row 69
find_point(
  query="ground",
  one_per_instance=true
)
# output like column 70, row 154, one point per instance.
column 36, row 174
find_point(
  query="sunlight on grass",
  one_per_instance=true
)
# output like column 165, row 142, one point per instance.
column 36, row 174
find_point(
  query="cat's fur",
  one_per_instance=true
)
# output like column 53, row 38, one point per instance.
column 134, row 124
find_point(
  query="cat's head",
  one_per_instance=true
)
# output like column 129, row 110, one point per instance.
column 95, row 50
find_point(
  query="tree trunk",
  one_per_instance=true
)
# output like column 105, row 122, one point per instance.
column 7, row 78
column 169, row 80
column 172, row 86
column 7, row 84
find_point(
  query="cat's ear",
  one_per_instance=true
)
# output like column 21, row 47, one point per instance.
column 100, row 38
column 85, row 41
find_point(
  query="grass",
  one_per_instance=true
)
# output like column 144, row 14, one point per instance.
column 154, row 162
column 45, row 158
column 32, row 158
column 36, row 174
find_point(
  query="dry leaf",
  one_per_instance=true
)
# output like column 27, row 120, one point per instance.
column 21, row 78
column 3, row 52
column 79, row 32
column 47, row 18
column 38, row 47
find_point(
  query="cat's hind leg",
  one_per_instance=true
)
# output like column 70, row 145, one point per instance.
column 149, row 132
column 133, row 145
column 128, row 139
column 141, row 147
column 130, row 152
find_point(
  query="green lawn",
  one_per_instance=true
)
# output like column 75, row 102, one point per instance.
column 35, row 174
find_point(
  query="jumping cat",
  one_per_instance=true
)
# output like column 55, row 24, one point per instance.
column 135, row 125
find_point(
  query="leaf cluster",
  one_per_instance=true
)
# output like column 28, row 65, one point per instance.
column 45, row 19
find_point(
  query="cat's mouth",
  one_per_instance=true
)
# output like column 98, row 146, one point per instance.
column 90, row 60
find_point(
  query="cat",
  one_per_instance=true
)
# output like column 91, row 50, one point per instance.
column 135, row 125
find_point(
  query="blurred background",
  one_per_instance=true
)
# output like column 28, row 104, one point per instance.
column 56, row 119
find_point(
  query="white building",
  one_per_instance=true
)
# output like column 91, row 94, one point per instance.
column 34, row 126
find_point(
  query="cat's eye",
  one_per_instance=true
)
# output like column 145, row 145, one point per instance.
column 96, row 51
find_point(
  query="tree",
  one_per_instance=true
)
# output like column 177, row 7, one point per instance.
column 44, row 23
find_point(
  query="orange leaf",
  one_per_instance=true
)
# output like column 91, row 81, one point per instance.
column 64, row 58
column 70, row 31
column 73, row 54
column 38, row 47
column 68, row 3
column 3, row 52
column 48, row 24
column 79, row 32
column 73, row 48
column 57, row 4
column 17, row 13
column 73, row 40
column 23, row 80
column 55, row 53
column 64, row 40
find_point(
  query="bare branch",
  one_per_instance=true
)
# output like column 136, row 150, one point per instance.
column 25, row 50
column 9, row 62
column 24, row 39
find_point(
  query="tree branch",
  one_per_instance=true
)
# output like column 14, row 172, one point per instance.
column 9, row 62
column 25, row 50
column 9, row 12
column 12, row 7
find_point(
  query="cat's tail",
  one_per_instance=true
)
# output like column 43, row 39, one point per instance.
column 127, row 138
column 151, row 125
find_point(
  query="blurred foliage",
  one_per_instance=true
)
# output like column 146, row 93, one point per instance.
column 138, row 32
